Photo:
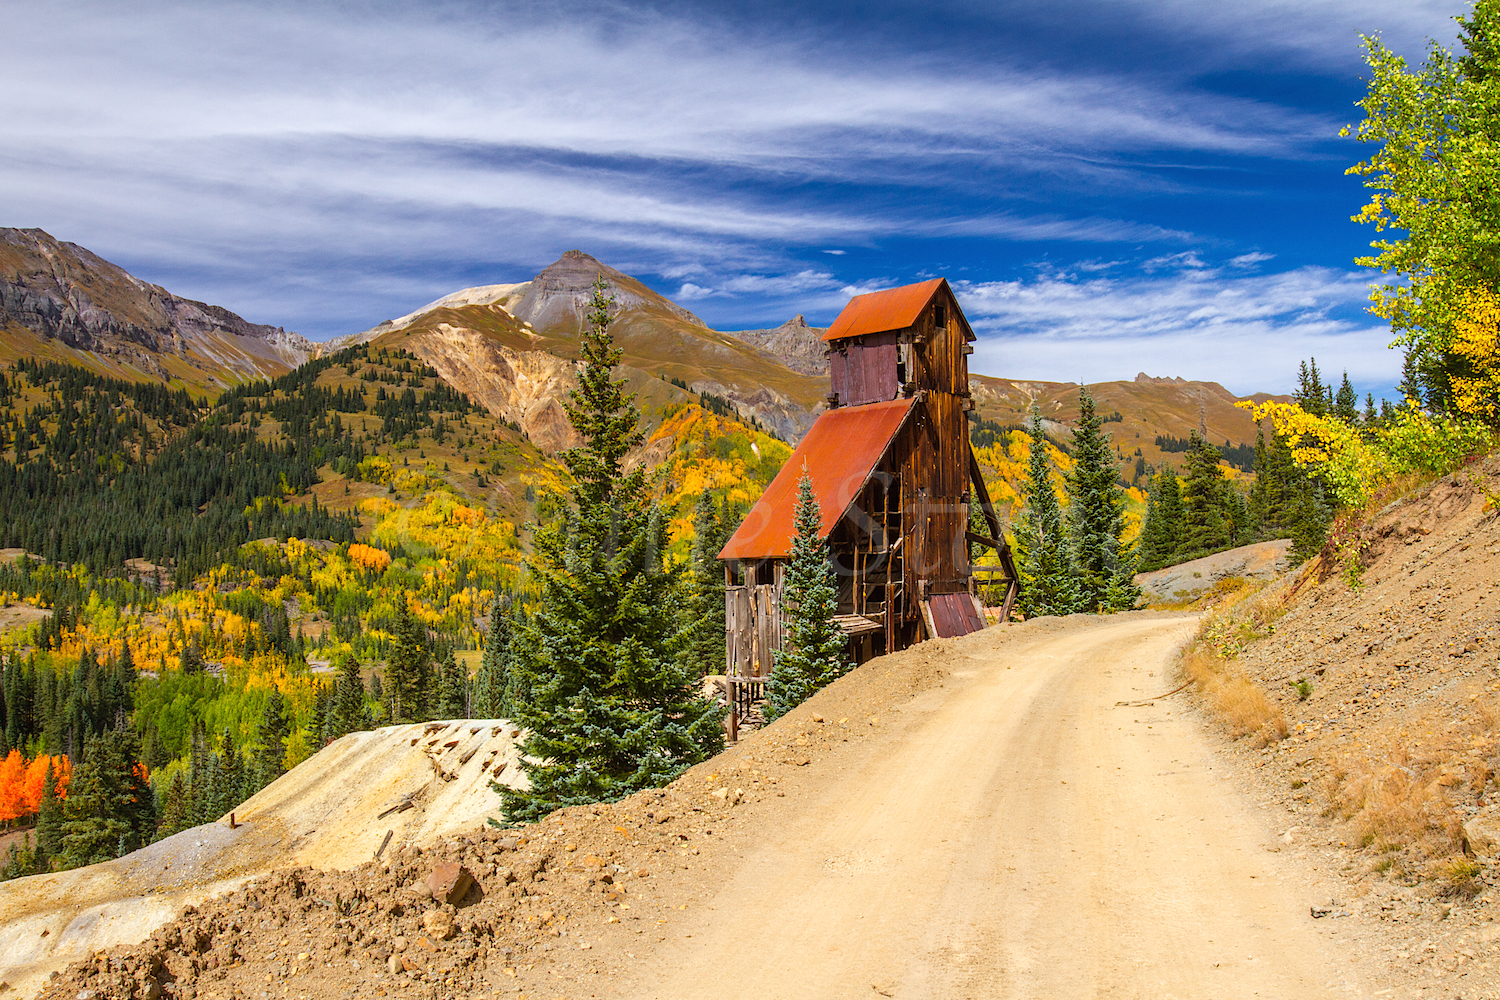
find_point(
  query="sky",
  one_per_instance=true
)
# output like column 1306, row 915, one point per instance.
column 1111, row 186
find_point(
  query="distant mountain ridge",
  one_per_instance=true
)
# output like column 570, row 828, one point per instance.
column 1147, row 408
column 513, row 347
column 61, row 301
column 795, row 344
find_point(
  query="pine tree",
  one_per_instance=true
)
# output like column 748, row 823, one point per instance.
column 814, row 651
column 1410, row 385
column 453, row 689
column 1161, row 534
column 1285, row 502
column 110, row 808
column 1104, row 563
column 348, row 713
column 1206, row 522
column 20, row 859
column 493, row 683
column 408, row 669
column 190, row 659
column 1308, row 518
column 176, row 807
column 270, row 756
column 1346, row 404
column 612, row 709
column 703, row 610
column 49, row 818
column 1312, row 395
column 317, row 725
column 229, row 778
column 1048, row 583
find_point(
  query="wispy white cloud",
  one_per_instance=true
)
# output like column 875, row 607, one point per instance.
column 1194, row 320
column 1313, row 33
column 337, row 163
column 310, row 131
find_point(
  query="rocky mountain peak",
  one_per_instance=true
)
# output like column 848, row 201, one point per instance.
column 557, row 298
column 67, row 295
column 795, row 344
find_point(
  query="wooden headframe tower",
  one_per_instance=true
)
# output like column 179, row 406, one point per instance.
column 894, row 474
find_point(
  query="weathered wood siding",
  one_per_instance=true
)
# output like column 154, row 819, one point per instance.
column 863, row 369
column 753, row 628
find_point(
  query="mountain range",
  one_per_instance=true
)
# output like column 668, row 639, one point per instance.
column 59, row 301
column 512, row 348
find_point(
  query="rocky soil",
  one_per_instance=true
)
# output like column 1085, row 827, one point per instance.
column 1384, row 658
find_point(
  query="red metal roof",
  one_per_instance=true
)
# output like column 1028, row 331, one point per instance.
column 876, row 312
column 839, row 452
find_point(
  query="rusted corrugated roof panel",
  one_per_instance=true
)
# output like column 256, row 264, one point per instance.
column 954, row 615
column 876, row 312
column 839, row 452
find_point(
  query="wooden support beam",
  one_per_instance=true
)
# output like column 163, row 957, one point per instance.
column 982, row 491
column 1002, row 550
column 984, row 540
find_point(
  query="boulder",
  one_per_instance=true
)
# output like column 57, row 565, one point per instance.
column 1483, row 832
column 450, row 882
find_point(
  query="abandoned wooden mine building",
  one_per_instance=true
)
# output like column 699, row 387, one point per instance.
column 894, row 474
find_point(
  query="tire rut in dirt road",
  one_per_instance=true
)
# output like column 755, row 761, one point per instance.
column 1015, row 834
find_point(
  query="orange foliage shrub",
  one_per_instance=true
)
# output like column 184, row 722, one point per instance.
column 467, row 516
column 369, row 557
column 22, row 784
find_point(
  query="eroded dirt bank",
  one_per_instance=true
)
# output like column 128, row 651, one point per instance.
column 1383, row 660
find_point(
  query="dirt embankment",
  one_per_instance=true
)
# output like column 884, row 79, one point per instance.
column 1381, row 663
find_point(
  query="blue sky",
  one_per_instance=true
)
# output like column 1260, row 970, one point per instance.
column 1112, row 186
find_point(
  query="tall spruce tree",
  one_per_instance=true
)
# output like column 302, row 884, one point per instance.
column 1207, row 524
column 612, row 707
column 1105, row 564
column 703, row 609
column 408, row 669
column 814, row 651
column 1161, row 534
column 49, row 817
column 110, row 808
column 1048, row 583
column 1312, row 395
column 495, row 682
column 1285, row 502
column 453, row 689
column 176, row 807
column 349, row 712
column 1346, row 403
column 270, row 754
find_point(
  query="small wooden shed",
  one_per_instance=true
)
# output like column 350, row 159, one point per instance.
column 894, row 474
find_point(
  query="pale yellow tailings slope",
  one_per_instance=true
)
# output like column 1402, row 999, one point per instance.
column 419, row 782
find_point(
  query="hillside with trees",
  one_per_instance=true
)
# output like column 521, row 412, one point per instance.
column 321, row 552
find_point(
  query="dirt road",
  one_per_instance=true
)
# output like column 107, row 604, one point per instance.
column 1013, row 833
